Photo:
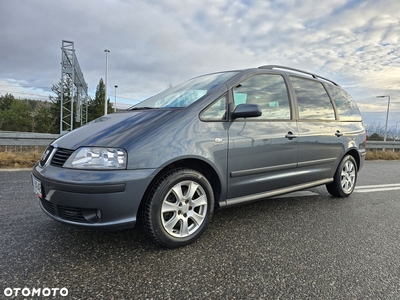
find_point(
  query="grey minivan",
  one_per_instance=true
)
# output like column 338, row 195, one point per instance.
column 214, row 141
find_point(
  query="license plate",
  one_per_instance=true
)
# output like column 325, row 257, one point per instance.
column 37, row 187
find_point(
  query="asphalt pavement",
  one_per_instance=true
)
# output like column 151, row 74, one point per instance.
column 306, row 245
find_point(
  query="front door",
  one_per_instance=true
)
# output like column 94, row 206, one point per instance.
column 261, row 154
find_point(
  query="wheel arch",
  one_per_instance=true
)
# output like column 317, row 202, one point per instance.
column 195, row 164
column 354, row 153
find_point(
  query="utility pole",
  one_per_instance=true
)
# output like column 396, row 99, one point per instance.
column 387, row 116
column 115, row 98
column 105, row 100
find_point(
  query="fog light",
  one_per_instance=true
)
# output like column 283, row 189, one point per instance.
column 92, row 215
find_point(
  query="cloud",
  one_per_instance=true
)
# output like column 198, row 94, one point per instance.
column 155, row 43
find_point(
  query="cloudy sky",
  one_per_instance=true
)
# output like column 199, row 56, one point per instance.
column 157, row 43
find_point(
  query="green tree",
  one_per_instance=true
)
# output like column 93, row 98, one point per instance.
column 5, row 104
column 56, row 104
column 44, row 120
column 31, row 103
column 5, row 101
column 17, row 116
column 375, row 137
column 96, row 105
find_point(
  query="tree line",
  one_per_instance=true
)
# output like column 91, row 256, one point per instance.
column 44, row 116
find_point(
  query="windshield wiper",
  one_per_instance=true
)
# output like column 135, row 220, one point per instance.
column 142, row 107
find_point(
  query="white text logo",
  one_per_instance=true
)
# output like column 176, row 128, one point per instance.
column 30, row 292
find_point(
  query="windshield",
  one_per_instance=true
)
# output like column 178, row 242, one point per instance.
column 186, row 93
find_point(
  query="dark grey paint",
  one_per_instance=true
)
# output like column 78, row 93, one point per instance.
column 250, row 158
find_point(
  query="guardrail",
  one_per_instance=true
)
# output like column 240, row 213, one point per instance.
column 32, row 139
column 27, row 139
column 382, row 145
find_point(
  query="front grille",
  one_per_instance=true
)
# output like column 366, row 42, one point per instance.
column 71, row 214
column 60, row 157
column 48, row 206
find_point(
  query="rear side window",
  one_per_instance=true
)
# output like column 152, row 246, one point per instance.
column 267, row 90
column 312, row 99
column 345, row 104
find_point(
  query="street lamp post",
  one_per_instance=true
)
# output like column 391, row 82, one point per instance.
column 395, row 130
column 105, row 101
column 387, row 114
column 115, row 98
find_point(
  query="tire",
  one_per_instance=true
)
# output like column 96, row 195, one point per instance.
column 179, row 208
column 345, row 178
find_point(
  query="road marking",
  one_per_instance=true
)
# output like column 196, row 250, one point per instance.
column 377, row 188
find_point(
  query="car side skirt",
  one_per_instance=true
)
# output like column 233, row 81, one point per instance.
column 255, row 197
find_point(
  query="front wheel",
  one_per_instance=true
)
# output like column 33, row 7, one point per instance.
column 179, row 208
column 345, row 178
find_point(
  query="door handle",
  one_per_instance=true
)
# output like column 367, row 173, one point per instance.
column 338, row 133
column 290, row 135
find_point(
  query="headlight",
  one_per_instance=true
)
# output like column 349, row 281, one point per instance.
column 97, row 158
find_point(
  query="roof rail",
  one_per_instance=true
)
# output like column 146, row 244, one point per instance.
column 298, row 71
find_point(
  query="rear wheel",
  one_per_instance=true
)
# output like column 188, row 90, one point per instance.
column 345, row 178
column 179, row 208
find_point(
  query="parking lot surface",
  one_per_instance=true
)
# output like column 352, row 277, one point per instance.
column 306, row 245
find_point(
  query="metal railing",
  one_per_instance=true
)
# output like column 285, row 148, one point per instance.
column 383, row 145
column 28, row 139
column 31, row 139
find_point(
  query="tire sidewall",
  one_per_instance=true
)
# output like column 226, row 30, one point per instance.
column 160, row 190
column 339, row 174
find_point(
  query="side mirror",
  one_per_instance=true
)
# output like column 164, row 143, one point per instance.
column 247, row 111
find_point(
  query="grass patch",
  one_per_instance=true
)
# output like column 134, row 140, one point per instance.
column 14, row 160
column 389, row 154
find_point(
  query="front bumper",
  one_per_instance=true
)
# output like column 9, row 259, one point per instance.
column 92, row 199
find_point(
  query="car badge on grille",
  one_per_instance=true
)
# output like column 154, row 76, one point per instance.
column 45, row 154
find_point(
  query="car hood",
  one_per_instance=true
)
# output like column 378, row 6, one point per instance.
column 117, row 129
